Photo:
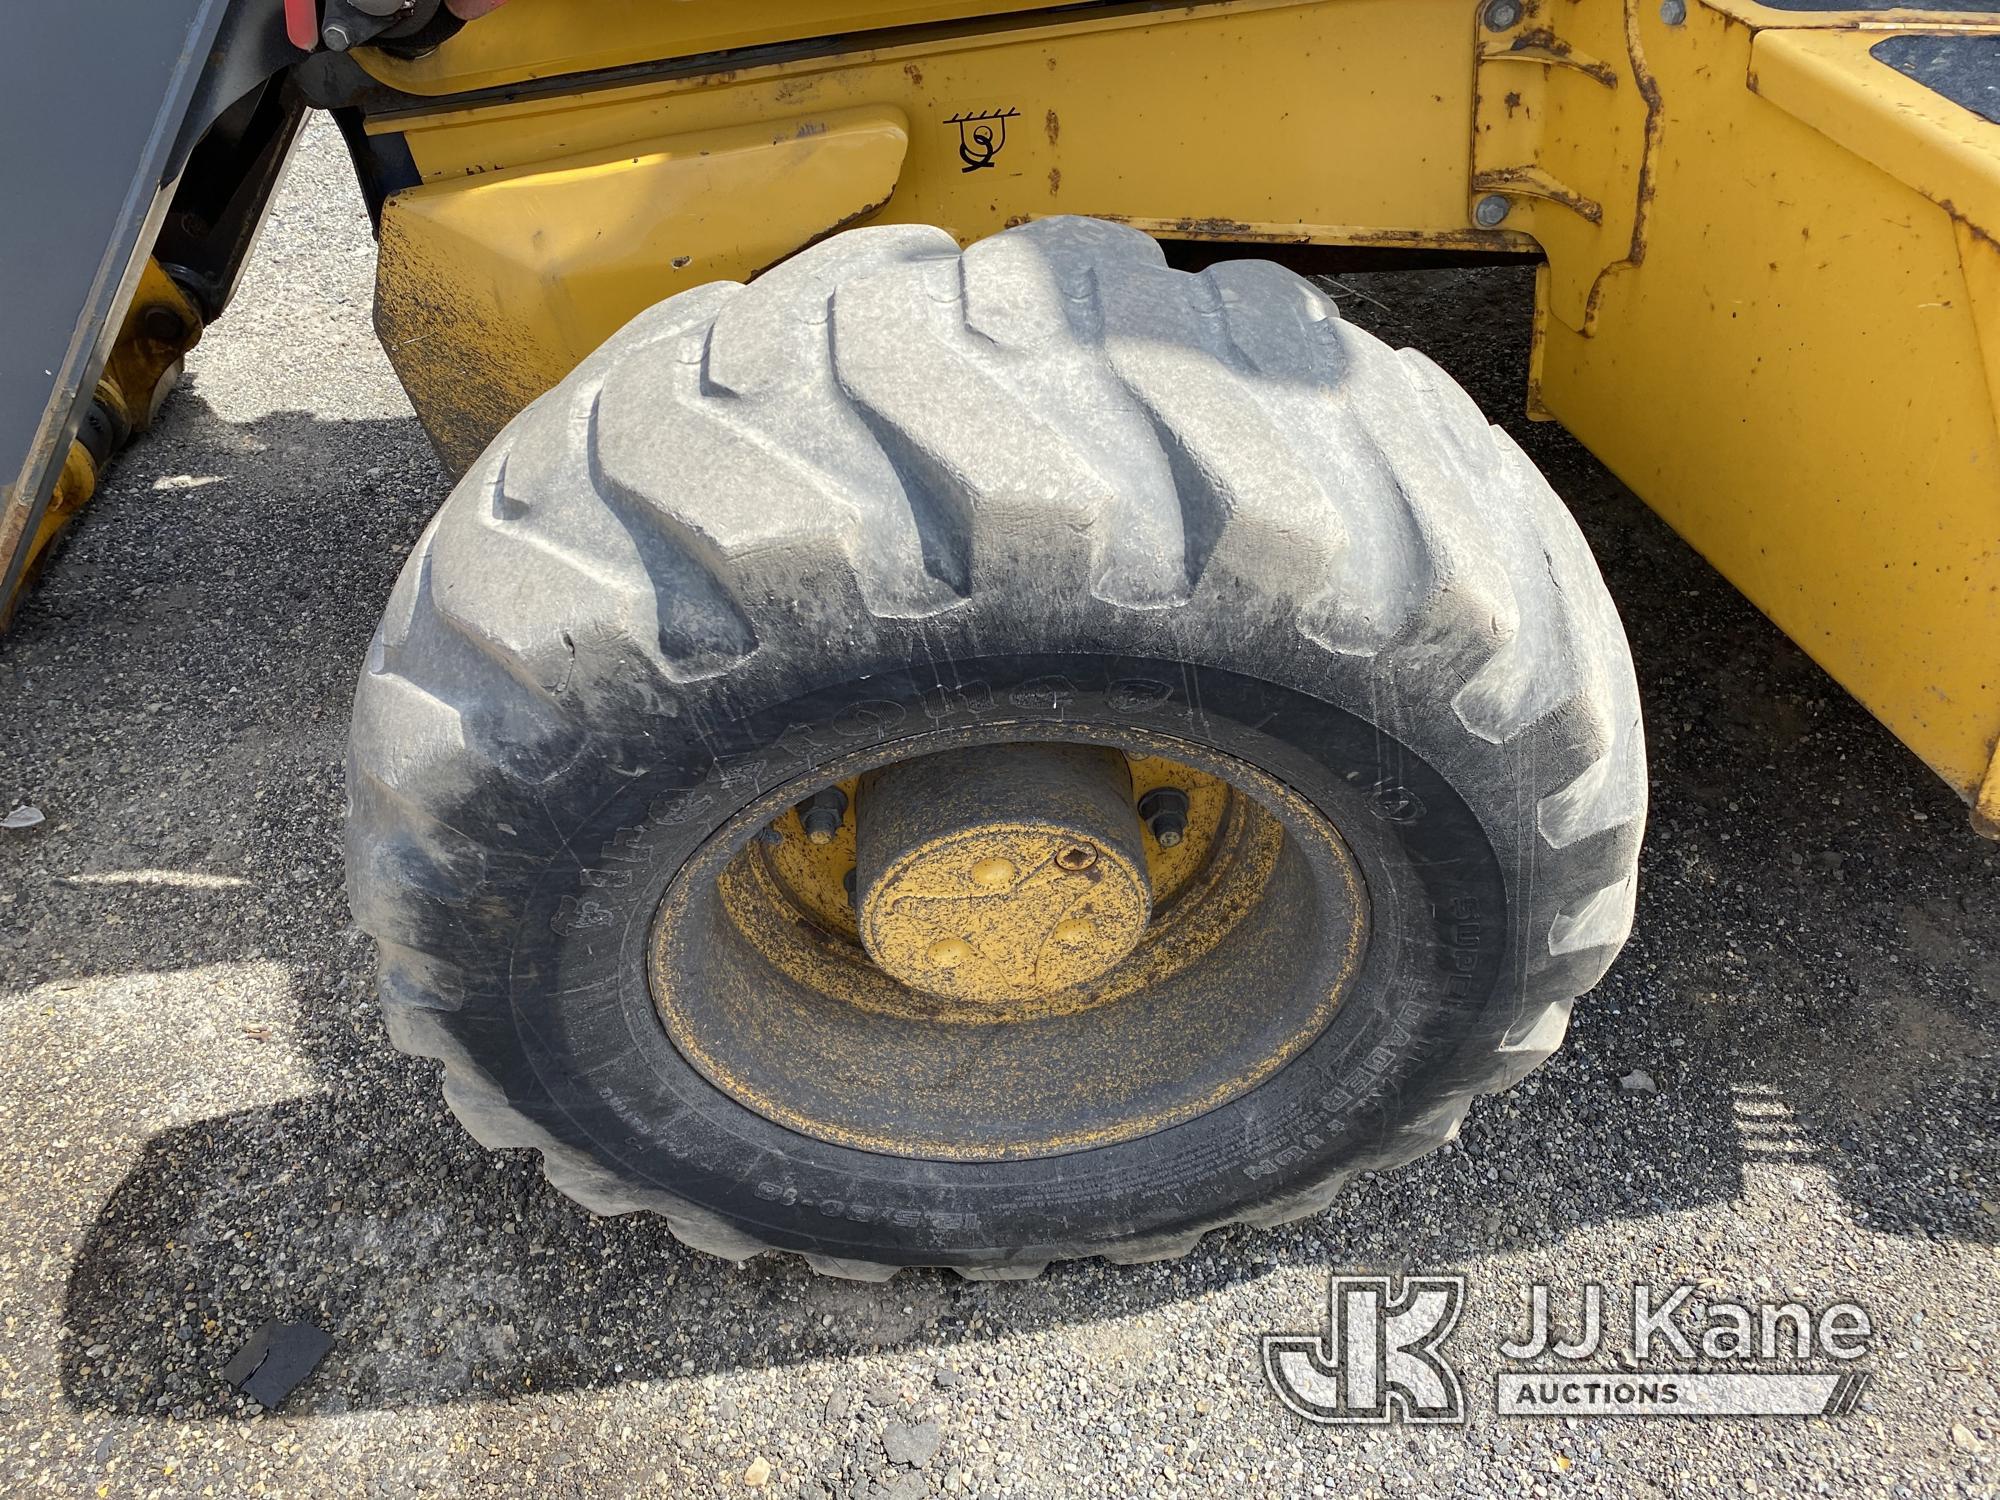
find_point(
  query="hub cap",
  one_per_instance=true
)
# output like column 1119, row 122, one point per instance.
column 1001, row 873
column 990, row 957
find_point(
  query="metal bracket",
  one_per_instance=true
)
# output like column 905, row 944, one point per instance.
column 1566, row 123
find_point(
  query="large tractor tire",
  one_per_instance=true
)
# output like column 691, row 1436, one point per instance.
column 970, row 759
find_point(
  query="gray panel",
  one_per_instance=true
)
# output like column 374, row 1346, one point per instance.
column 1965, row 69
column 91, row 97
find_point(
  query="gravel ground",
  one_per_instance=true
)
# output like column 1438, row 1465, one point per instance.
column 209, row 1128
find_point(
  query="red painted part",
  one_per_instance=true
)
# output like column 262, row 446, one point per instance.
column 302, row 23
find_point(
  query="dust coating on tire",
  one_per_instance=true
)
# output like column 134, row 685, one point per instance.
column 892, row 495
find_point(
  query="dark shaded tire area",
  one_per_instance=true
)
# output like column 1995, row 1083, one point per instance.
column 894, row 494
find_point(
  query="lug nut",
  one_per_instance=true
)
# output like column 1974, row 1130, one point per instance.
column 820, row 815
column 994, row 874
column 1073, row 932
column 1164, row 811
column 949, row 953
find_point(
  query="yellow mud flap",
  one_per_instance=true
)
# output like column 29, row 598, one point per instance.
column 1788, row 344
column 490, row 287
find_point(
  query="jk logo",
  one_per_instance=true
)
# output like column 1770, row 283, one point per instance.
column 1378, row 1359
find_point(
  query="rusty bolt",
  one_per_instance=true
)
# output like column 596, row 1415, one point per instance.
column 1165, row 810
column 1076, row 857
column 820, row 814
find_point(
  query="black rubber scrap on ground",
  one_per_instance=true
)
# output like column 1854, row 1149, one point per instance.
column 278, row 1356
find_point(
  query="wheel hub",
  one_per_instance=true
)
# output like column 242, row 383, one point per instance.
column 1003, row 872
column 989, row 952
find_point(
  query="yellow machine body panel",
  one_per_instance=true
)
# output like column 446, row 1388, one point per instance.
column 1218, row 119
column 494, row 286
column 543, row 225
column 523, row 42
column 1770, row 298
column 1793, row 373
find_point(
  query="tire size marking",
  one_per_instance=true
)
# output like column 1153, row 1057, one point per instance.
column 1377, row 1069
column 866, row 1213
column 1466, row 934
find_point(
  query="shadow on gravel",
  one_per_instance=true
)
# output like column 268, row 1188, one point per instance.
column 1815, row 945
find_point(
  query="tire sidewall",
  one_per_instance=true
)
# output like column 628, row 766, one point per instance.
column 570, row 1033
